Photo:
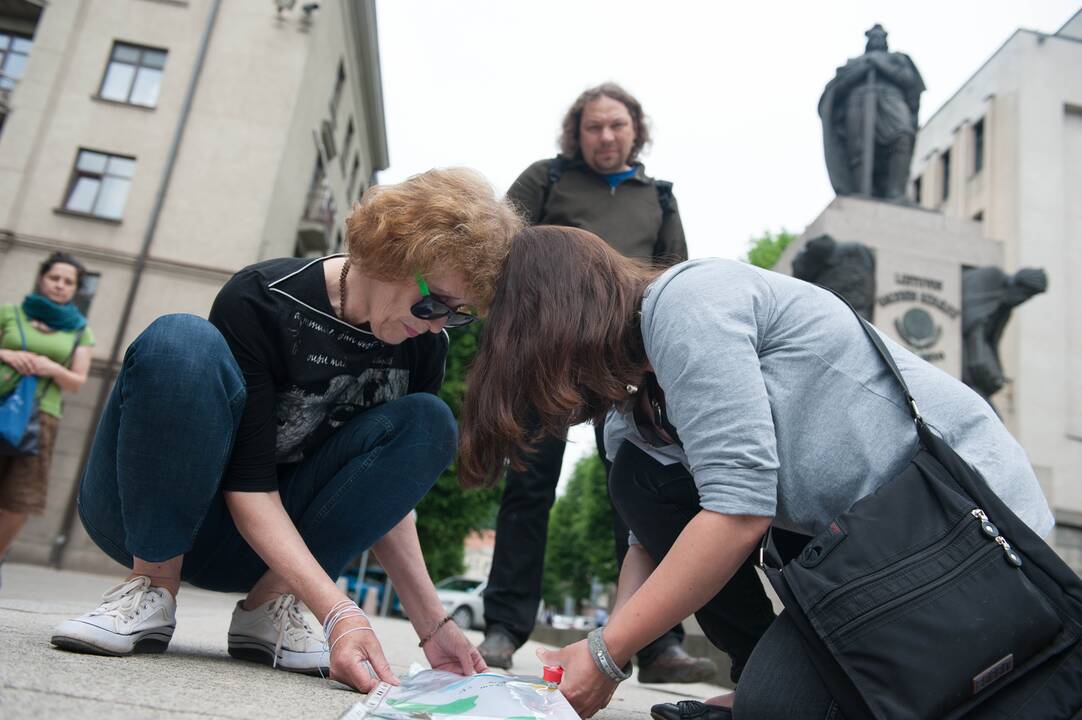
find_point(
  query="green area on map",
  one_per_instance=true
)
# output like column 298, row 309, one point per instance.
column 452, row 708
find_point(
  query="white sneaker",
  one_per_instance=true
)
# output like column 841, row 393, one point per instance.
column 277, row 634
column 133, row 617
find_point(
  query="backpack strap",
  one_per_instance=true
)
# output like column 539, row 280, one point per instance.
column 665, row 198
column 668, row 206
column 78, row 340
column 556, row 167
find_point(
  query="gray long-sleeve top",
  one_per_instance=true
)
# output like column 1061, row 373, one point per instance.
column 785, row 409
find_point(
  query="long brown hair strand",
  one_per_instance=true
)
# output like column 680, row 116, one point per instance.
column 560, row 346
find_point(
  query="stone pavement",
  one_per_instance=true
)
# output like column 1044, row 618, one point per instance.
column 195, row 678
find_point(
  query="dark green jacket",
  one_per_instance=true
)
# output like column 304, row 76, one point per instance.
column 628, row 217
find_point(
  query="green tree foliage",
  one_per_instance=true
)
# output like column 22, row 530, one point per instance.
column 448, row 513
column 765, row 250
column 580, row 543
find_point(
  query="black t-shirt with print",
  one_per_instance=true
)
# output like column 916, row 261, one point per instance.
column 306, row 371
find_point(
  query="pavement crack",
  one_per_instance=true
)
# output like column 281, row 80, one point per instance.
column 113, row 701
column 8, row 608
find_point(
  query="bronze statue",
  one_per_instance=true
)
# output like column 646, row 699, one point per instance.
column 869, row 113
column 846, row 268
column 989, row 295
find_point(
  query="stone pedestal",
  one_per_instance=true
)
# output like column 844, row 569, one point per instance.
column 919, row 256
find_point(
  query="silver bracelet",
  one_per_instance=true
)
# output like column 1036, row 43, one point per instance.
column 599, row 651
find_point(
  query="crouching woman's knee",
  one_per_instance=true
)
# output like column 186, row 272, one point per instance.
column 180, row 351
column 429, row 427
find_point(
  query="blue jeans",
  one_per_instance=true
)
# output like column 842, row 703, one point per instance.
column 152, row 484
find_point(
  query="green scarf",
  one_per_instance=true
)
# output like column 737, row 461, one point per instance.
column 55, row 315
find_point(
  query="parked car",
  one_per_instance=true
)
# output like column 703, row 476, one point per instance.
column 375, row 580
column 572, row 622
column 461, row 598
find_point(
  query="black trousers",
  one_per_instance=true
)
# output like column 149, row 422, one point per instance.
column 513, row 594
column 657, row 501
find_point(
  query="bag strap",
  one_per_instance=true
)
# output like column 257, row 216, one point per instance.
column 78, row 340
column 19, row 322
column 769, row 557
column 877, row 341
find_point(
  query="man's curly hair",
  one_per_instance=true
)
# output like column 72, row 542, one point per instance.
column 569, row 135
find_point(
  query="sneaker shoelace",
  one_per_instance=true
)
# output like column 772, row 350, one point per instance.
column 286, row 615
column 126, row 600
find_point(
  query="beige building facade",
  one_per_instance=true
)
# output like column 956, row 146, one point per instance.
column 1006, row 151
column 174, row 141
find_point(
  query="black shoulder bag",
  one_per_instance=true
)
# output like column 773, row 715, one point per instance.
column 930, row 598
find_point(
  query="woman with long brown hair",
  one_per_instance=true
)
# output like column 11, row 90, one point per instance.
column 736, row 399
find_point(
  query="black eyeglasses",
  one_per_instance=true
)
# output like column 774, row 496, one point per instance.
column 431, row 307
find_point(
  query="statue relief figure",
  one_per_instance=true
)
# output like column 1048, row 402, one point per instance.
column 869, row 113
column 846, row 268
column 989, row 295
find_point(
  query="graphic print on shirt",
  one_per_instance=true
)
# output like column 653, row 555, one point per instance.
column 306, row 371
column 301, row 414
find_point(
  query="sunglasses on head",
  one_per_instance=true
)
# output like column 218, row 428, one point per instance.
column 431, row 307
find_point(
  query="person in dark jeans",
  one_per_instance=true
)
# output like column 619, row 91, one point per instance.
column 261, row 449
column 513, row 593
column 596, row 183
column 660, row 500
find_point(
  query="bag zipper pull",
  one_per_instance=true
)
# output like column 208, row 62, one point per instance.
column 1012, row 557
column 986, row 525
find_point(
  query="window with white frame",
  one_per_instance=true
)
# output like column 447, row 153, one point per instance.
column 14, row 51
column 99, row 184
column 134, row 75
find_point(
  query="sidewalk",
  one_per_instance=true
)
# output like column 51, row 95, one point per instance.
column 195, row 678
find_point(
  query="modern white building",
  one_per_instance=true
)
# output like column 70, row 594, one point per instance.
column 168, row 143
column 1006, row 150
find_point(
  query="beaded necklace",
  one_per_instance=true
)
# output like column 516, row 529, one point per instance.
column 342, row 289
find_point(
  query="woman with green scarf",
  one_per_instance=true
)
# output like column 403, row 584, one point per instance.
column 57, row 350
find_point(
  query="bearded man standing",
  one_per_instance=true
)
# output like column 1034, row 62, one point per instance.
column 596, row 183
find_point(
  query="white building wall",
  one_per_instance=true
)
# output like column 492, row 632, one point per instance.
column 1072, row 202
column 239, row 185
column 1030, row 95
column 1073, row 27
column 1044, row 330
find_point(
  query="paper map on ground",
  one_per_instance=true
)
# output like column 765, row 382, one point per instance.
column 439, row 695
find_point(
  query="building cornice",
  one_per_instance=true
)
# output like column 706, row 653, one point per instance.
column 361, row 24
column 94, row 253
column 1040, row 36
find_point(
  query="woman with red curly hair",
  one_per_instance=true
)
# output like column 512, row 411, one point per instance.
column 262, row 450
